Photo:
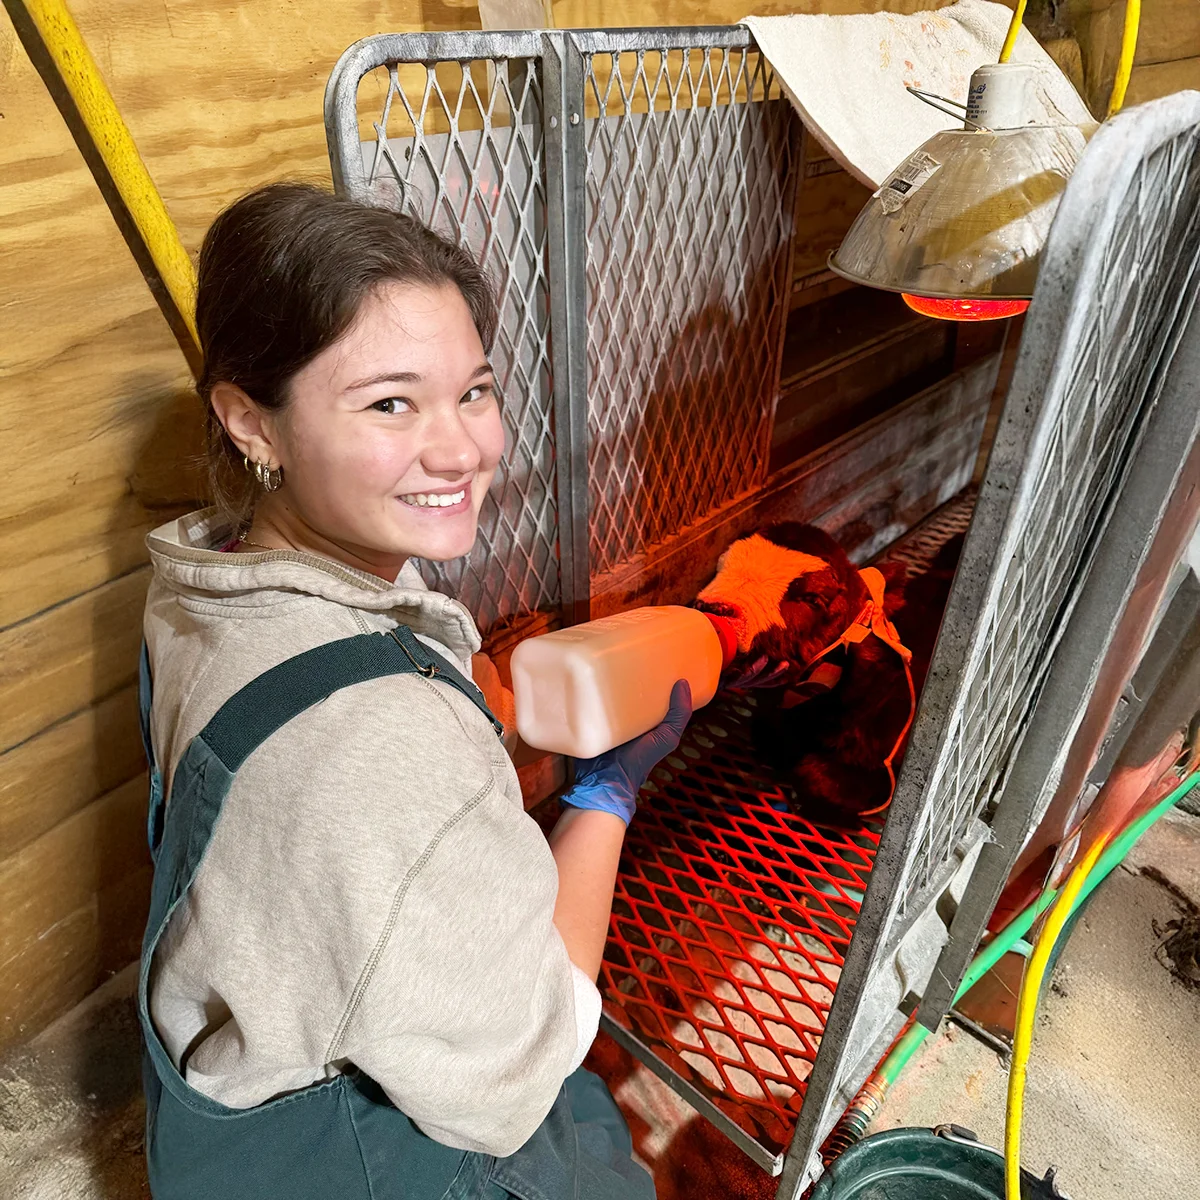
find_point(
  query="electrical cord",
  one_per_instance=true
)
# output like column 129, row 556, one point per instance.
column 1100, row 860
column 1031, row 986
column 1129, row 40
column 862, row 1110
column 1014, row 27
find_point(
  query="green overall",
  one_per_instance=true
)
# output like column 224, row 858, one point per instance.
column 339, row 1138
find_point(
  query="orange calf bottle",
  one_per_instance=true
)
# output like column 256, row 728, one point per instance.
column 583, row 690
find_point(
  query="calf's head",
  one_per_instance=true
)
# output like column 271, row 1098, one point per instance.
column 789, row 591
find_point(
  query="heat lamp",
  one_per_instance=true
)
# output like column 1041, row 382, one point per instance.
column 957, row 229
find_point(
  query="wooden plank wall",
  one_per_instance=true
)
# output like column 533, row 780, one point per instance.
column 1168, row 54
column 97, row 422
column 96, row 427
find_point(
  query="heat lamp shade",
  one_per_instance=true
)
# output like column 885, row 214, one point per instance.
column 966, row 215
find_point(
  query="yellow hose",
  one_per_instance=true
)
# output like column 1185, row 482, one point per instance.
column 1014, row 27
column 1031, row 986
column 1129, row 40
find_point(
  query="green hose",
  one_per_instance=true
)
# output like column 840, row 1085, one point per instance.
column 1010, row 937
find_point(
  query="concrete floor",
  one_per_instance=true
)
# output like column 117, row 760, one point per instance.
column 1113, row 1099
column 1113, row 1095
column 71, row 1111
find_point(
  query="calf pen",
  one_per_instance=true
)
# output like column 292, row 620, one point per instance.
column 634, row 195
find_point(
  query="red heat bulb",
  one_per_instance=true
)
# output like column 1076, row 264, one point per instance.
column 964, row 310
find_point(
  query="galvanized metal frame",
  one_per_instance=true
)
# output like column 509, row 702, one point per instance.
column 769, row 1162
column 1116, row 567
column 563, row 63
column 1060, row 451
column 1167, row 680
column 1138, row 181
column 917, row 860
column 672, row 246
column 477, row 179
column 563, row 67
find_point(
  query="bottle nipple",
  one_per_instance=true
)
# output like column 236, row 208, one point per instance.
column 727, row 636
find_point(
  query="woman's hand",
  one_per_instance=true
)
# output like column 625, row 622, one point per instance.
column 611, row 782
column 499, row 699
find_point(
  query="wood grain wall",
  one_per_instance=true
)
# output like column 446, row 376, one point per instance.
column 97, row 423
column 1168, row 54
column 96, row 426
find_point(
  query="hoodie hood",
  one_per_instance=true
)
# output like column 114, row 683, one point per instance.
column 188, row 560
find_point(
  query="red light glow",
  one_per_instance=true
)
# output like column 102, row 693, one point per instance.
column 965, row 310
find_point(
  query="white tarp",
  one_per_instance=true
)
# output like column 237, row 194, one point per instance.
column 847, row 75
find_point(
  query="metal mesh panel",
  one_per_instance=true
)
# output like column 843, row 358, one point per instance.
column 1110, row 373
column 689, row 166
column 730, row 923
column 460, row 146
column 920, row 546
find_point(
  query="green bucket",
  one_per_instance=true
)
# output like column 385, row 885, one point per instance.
column 946, row 1163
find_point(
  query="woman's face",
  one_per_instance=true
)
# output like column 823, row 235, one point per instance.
column 392, row 435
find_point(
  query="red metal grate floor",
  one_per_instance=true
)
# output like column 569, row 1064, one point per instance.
column 731, row 920
column 733, row 914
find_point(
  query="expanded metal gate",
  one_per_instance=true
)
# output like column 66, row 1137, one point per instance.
column 1078, row 484
column 631, row 193
column 578, row 169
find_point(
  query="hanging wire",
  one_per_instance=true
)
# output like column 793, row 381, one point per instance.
column 940, row 102
column 1014, row 27
column 1129, row 40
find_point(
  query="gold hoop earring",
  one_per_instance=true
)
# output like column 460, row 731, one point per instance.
column 270, row 478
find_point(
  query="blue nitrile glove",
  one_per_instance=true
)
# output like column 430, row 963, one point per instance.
column 611, row 782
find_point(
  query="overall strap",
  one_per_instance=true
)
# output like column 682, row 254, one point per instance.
column 265, row 704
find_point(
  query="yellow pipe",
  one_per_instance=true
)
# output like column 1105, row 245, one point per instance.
column 114, row 143
column 1014, row 27
column 1129, row 40
column 1027, row 1003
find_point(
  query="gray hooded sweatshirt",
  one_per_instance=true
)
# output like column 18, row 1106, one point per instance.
column 374, row 893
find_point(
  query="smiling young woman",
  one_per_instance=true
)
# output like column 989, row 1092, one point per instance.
column 366, row 972
column 390, row 438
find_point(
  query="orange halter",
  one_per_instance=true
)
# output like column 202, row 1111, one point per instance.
column 872, row 619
